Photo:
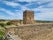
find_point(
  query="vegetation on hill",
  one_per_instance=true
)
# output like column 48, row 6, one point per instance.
column 39, row 21
column 1, row 33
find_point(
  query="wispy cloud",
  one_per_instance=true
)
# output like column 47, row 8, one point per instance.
column 12, row 4
column 2, row 17
column 49, row 5
column 26, row 0
column 46, row 14
column 16, row 15
column 43, row 8
column 7, row 11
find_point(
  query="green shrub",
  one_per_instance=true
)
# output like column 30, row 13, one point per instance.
column 8, row 23
column 2, row 24
column 1, row 35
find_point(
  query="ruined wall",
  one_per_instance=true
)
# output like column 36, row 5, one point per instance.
column 32, row 32
column 13, row 31
column 28, row 17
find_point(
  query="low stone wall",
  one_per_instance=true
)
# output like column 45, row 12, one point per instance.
column 31, row 32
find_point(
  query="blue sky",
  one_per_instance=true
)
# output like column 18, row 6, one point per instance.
column 13, row 9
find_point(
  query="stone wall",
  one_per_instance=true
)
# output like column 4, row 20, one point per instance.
column 28, row 17
column 31, row 32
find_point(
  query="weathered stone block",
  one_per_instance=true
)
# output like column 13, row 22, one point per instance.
column 28, row 17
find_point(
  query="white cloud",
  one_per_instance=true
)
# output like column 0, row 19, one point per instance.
column 50, row 4
column 7, row 11
column 24, row 8
column 17, row 15
column 46, row 13
column 2, row 17
column 12, row 4
column 44, row 16
column 26, row 0
column 39, row 1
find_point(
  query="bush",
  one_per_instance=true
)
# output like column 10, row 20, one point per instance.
column 8, row 23
column 2, row 24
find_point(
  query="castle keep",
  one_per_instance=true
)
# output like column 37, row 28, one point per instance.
column 28, row 17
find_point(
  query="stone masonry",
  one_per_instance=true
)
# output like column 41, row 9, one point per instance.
column 28, row 17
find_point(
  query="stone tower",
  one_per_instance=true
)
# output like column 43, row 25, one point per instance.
column 28, row 17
